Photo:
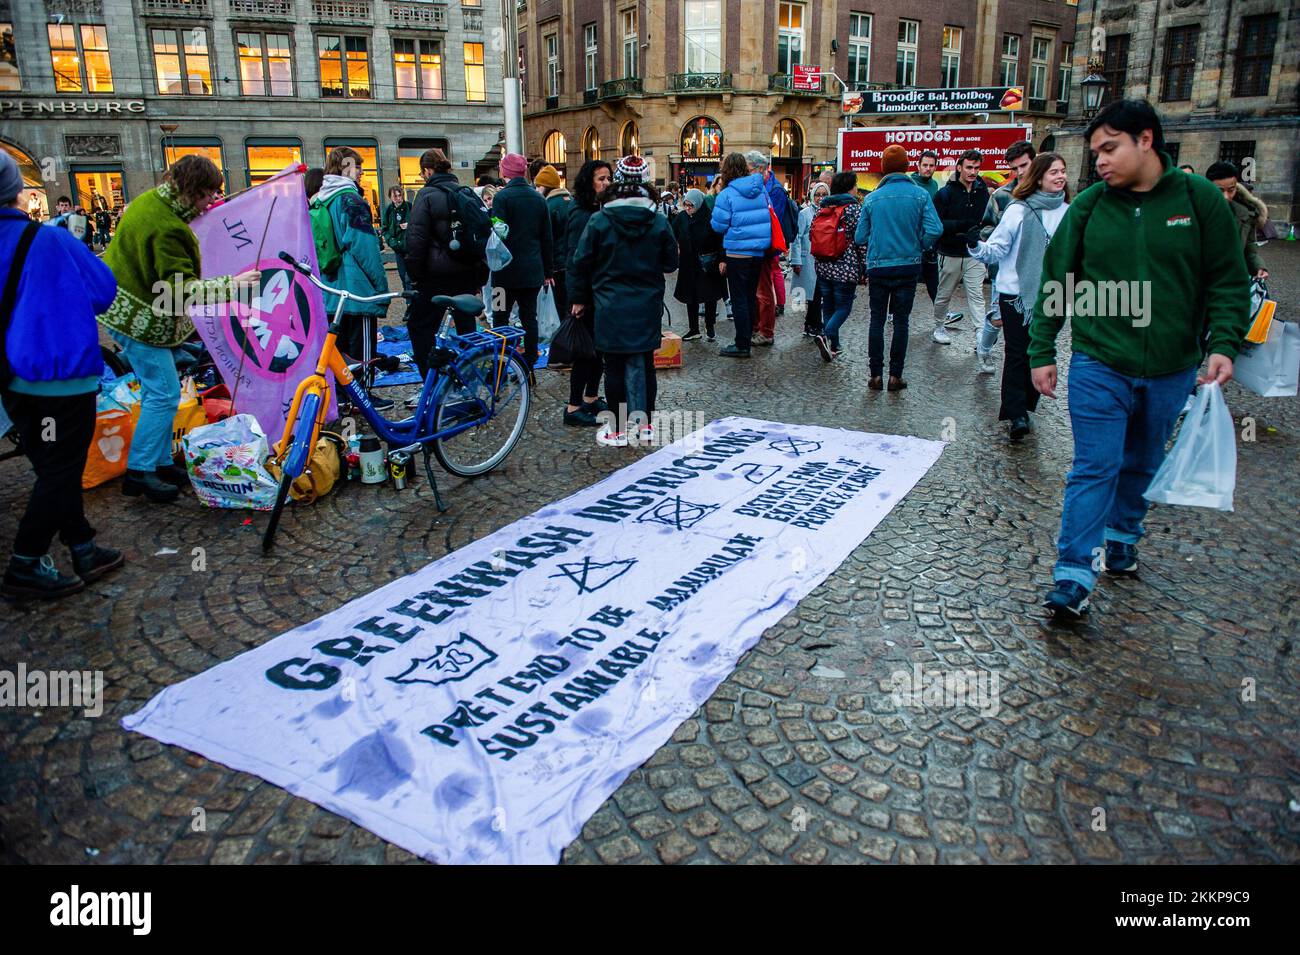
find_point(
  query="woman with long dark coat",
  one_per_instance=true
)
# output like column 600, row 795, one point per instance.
column 699, row 252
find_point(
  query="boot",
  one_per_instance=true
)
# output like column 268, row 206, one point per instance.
column 173, row 474
column 36, row 578
column 896, row 383
column 150, row 485
column 91, row 562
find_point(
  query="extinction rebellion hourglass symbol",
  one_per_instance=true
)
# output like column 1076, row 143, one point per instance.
column 676, row 513
column 795, row 446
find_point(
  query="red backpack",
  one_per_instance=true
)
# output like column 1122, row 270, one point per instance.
column 829, row 240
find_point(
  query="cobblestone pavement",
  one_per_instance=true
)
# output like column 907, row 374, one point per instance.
column 801, row 755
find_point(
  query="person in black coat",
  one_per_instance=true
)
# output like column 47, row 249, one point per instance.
column 429, row 261
column 584, row 378
column 529, row 240
column 700, row 250
column 619, row 270
column 559, row 204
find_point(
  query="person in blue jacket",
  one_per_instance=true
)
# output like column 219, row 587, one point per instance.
column 897, row 225
column 50, row 366
column 741, row 215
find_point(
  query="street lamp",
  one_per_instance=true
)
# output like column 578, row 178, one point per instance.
column 1094, row 88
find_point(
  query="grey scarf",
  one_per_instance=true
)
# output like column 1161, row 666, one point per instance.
column 1033, row 246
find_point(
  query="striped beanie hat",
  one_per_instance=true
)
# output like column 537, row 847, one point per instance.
column 632, row 169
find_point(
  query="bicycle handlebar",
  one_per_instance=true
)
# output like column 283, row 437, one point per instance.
column 305, row 269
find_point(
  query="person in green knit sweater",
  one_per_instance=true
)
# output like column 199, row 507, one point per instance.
column 155, row 258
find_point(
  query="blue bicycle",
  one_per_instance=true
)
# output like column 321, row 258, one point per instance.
column 471, row 411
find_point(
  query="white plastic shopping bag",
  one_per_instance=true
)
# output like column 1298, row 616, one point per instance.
column 1272, row 368
column 548, row 316
column 226, row 462
column 1201, row 468
column 498, row 255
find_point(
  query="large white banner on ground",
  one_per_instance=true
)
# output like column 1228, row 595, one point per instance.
column 483, row 708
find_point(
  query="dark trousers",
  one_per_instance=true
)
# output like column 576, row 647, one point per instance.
column 584, row 376
column 1019, row 396
column 527, row 300
column 422, row 321
column 812, row 319
column 889, row 297
column 55, row 505
column 352, row 341
column 742, row 279
column 930, row 273
column 693, row 316
column 399, row 259
column 630, row 385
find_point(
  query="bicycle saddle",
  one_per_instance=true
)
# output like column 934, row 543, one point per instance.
column 465, row 304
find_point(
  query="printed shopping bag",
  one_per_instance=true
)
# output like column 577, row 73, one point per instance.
column 226, row 463
column 110, row 445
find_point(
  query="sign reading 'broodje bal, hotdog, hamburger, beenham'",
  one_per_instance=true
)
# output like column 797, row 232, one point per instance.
column 962, row 100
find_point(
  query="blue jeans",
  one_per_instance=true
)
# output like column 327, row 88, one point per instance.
column 160, row 394
column 1120, row 426
column 837, row 302
column 889, row 296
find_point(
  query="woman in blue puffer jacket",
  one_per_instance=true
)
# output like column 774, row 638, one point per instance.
column 741, row 215
column 49, row 374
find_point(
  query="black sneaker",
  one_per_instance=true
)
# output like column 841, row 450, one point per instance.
column 710, row 338
column 824, row 347
column 1067, row 599
column 150, row 485
column 1121, row 559
column 91, row 562
column 173, row 474
column 36, row 578
column 582, row 418
column 1020, row 427
column 691, row 337
column 731, row 351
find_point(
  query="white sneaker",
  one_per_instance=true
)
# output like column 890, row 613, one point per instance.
column 986, row 366
column 952, row 318
column 941, row 336
column 612, row 439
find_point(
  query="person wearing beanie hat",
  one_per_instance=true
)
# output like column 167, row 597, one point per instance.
column 548, row 177
column 893, row 159
column 49, row 374
column 631, row 169
column 532, row 251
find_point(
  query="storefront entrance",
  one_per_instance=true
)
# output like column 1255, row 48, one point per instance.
column 98, row 189
column 32, row 198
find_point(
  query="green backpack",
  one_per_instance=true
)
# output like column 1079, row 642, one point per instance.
column 328, row 256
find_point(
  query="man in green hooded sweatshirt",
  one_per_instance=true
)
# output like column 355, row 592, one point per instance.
column 1143, row 262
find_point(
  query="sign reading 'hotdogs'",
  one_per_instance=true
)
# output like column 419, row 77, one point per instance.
column 961, row 100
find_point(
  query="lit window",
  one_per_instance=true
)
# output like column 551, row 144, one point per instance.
column 266, row 158
column 198, row 66
column 475, row 80
column 63, row 55
column 94, row 53
column 211, row 148
column 344, row 66
column 167, row 62
column 264, row 64
column 417, row 64
column 182, row 67
column 9, row 78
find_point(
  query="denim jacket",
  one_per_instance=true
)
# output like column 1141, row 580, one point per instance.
column 898, row 223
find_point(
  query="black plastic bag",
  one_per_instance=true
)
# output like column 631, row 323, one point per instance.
column 571, row 342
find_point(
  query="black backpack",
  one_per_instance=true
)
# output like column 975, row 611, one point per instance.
column 469, row 224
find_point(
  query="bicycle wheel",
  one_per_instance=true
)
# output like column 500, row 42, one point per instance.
column 286, row 481
column 480, row 448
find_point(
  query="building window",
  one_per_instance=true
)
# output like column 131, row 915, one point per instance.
column 475, row 78
column 627, row 19
column 1255, row 55
column 553, row 65
column 554, row 148
column 1236, row 151
column 344, row 66
column 1180, row 63
column 703, row 36
column 63, row 56
column 9, row 78
column 589, row 57
column 702, row 139
column 266, row 157
column 591, row 144
column 859, row 48
column 265, row 65
column 1064, row 77
column 629, row 140
column 789, row 37
column 417, row 67
column 409, row 152
column 94, row 53
column 787, row 140
column 182, row 68
column 1115, row 66
column 174, row 149
column 1010, row 59
column 905, row 72
column 1040, row 53
column 950, row 60
column 75, row 71
column 523, row 73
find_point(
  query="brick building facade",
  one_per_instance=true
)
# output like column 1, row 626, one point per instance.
column 683, row 80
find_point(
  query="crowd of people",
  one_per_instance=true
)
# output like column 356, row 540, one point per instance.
column 602, row 250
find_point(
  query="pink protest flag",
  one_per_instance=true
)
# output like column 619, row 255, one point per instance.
column 265, row 347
